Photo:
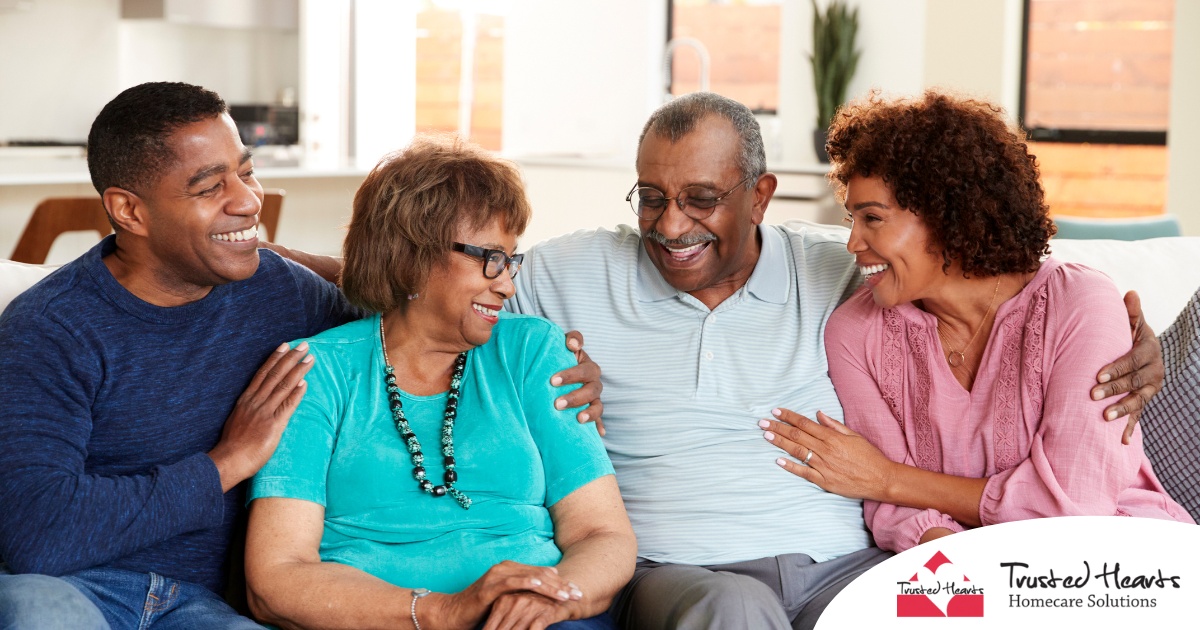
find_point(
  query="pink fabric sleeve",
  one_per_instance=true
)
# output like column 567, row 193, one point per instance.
column 852, row 344
column 1077, row 464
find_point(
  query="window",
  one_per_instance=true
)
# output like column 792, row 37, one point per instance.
column 460, row 67
column 1094, row 99
column 742, row 42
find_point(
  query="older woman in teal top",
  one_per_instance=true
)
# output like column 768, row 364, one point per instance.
column 426, row 480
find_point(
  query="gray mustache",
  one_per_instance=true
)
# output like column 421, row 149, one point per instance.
column 686, row 240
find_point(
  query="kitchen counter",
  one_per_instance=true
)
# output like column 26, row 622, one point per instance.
column 67, row 165
column 316, row 207
column 35, row 166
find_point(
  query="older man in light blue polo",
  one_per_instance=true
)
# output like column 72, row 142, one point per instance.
column 704, row 320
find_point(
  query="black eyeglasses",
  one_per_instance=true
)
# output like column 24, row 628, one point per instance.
column 494, row 260
column 696, row 202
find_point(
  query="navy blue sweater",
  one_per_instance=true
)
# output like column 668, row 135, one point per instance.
column 109, row 405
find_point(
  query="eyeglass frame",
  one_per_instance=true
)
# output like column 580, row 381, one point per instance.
column 683, row 207
column 485, row 254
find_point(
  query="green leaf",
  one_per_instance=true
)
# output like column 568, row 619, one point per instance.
column 834, row 58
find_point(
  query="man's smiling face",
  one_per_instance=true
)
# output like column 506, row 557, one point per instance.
column 712, row 257
column 203, row 211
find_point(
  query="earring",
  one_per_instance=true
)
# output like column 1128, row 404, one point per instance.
column 413, row 296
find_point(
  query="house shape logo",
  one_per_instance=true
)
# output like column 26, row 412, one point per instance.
column 939, row 589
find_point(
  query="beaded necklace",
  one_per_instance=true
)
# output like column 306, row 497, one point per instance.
column 410, row 438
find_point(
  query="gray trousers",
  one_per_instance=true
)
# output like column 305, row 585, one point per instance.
column 781, row 593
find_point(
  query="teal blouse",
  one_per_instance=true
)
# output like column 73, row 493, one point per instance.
column 516, row 456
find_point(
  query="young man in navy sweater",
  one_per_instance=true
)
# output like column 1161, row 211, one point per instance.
column 122, row 435
column 120, row 430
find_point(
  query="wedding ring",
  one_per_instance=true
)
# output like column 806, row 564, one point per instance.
column 808, row 457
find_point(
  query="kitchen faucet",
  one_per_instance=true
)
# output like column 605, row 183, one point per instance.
column 700, row 49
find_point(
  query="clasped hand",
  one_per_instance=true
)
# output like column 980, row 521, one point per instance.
column 509, row 595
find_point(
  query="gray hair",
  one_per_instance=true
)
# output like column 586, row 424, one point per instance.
column 680, row 116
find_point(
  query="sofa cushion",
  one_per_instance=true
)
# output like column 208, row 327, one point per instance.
column 1164, row 271
column 15, row 277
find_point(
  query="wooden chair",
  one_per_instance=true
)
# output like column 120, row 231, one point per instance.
column 58, row 215
column 268, row 217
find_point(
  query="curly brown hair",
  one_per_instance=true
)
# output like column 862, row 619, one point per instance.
column 409, row 209
column 956, row 164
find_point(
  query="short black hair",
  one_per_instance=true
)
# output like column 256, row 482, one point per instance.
column 127, row 145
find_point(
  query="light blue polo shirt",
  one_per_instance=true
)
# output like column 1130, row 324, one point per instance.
column 685, row 387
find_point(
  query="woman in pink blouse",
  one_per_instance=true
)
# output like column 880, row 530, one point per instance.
column 965, row 354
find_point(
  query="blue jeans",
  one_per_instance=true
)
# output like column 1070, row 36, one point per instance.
column 41, row 602
column 600, row 622
column 603, row 621
column 112, row 599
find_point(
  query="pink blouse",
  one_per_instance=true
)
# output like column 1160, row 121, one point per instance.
column 1028, row 424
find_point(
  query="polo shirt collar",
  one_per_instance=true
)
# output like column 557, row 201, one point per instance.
column 768, row 282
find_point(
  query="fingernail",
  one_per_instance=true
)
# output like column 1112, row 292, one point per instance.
column 308, row 358
column 560, row 404
column 1097, row 394
column 776, row 413
column 770, row 436
column 764, row 423
column 302, row 384
column 1105, row 377
column 302, row 346
column 576, row 594
column 283, row 347
column 563, row 595
column 781, row 462
column 536, row 582
column 556, row 380
column 1110, row 414
column 583, row 417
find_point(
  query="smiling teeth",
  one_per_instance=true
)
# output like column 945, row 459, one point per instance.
column 237, row 237
column 486, row 311
column 870, row 270
column 684, row 250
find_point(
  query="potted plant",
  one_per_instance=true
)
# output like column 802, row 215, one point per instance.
column 834, row 60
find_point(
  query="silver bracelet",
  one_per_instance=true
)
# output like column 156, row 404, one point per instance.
column 418, row 593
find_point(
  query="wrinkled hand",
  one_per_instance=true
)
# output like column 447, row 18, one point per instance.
column 1138, row 374
column 843, row 462
column 467, row 608
column 587, row 373
column 521, row 611
column 252, row 431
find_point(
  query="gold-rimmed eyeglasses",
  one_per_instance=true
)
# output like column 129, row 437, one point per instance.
column 697, row 202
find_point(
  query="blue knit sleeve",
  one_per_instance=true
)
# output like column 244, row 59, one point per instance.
column 56, row 518
column 324, row 303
